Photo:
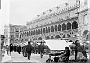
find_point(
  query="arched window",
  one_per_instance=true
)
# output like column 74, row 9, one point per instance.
column 74, row 25
column 63, row 27
column 20, row 35
column 34, row 32
column 29, row 33
column 25, row 34
column 48, row 29
column 56, row 28
column 43, row 30
column 52, row 29
column 68, row 25
column 59, row 27
column 38, row 31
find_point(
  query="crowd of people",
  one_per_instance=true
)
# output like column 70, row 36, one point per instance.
column 77, row 49
column 26, row 50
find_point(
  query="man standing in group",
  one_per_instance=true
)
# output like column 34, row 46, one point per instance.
column 29, row 49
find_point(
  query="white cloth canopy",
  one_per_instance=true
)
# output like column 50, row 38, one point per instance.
column 57, row 44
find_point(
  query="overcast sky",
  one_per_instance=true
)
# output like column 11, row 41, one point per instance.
column 22, row 11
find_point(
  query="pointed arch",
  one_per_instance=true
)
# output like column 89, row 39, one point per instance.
column 56, row 28
column 68, row 25
column 59, row 27
column 63, row 26
column 52, row 29
column 74, row 25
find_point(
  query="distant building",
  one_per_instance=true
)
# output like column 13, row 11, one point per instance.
column 12, row 33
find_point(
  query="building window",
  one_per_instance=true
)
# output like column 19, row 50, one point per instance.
column 52, row 29
column 48, row 29
column 63, row 27
column 43, row 30
column 56, row 28
column 68, row 25
column 34, row 32
column 39, row 31
column 74, row 25
column 59, row 27
column 29, row 33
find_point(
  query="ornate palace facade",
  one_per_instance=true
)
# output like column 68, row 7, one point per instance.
column 67, row 21
column 60, row 22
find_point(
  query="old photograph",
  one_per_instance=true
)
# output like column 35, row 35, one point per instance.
column 45, row 31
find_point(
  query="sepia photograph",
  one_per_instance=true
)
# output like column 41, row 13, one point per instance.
column 44, row 31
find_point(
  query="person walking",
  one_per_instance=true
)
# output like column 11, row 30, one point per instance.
column 77, row 48
column 19, row 49
column 7, row 49
column 29, row 49
column 41, row 49
column 11, row 48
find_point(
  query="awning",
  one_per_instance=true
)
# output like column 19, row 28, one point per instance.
column 57, row 44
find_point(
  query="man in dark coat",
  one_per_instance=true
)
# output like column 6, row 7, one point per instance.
column 76, row 48
column 19, row 49
column 29, row 49
column 11, row 48
column 41, row 49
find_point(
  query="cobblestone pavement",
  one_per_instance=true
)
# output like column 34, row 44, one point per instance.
column 6, row 57
column 35, row 58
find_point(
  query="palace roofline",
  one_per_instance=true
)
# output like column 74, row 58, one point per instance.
column 56, row 10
